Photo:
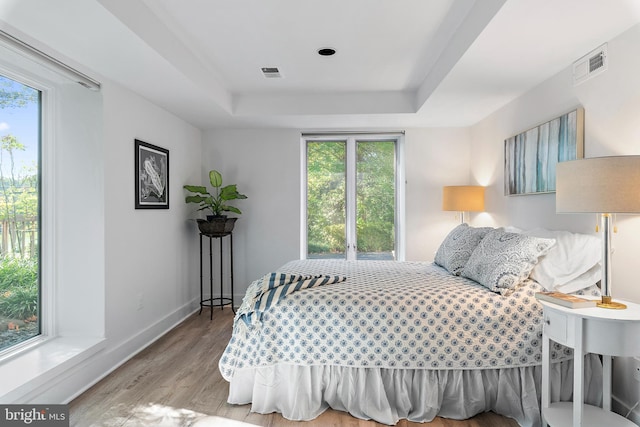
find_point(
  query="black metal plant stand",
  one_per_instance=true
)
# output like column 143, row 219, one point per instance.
column 211, row 301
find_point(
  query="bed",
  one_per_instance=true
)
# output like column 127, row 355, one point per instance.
column 387, row 340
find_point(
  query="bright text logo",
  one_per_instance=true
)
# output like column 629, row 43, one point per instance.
column 34, row 415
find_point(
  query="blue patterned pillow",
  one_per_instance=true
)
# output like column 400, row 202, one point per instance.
column 502, row 260
column 457, row 247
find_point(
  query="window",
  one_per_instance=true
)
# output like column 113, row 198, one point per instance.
column 62, row 159
column 353, row 200
column 20, row 112
column 69, row 237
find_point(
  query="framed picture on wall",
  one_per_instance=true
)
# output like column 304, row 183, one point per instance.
column 152, row 176
column 530, row 157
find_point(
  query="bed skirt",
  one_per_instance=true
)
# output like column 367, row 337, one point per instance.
column 388, row 395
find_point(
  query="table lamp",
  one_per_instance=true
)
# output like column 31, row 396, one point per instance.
column 605, row 186
column 463, row 198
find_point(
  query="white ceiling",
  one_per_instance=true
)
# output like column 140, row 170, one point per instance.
column 399, row 63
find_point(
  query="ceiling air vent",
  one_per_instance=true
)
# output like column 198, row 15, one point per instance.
column 590, row 65
column 271, row 72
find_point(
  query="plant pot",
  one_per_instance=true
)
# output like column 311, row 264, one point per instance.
column 211, row 217
column 216, row 226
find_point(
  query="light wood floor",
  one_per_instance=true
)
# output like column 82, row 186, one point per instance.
column 178, row 377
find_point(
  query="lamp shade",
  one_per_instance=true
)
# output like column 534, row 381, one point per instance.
column 599, row 185
column 463, row 198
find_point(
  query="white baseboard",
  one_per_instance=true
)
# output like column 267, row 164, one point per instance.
column 76, row 380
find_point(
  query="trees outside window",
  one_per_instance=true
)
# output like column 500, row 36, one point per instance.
column 20, row 112
column 351, row 203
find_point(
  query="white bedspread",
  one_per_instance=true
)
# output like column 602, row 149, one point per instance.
column 395, row 340
column 394, row 314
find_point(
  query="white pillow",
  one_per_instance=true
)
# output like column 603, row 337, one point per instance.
column 583, row 281
column 572, row 256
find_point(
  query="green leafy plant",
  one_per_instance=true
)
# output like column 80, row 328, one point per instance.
column 18, row 288
column 216, row 203
column 19, row 303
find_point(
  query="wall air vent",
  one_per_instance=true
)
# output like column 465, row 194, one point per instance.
column 271, row 72
column 590, row 65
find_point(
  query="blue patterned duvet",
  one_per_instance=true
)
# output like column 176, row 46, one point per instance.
column 409, row 315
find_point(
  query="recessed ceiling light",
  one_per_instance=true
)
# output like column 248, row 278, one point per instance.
column 326, row 51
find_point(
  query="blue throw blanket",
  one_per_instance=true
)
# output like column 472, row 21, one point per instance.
column 271, row 289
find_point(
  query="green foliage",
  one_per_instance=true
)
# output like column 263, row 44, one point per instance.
column 18, row 194
column 326, row 189
column 18, row 185
column 215, row 178
column 375, row 196
column 326, row 194
column 19, row 303
column 17, row 272
column 18, row 288
column 318, row 248
column 375, row 237
column 19, row 201
column 16, row 95
column 216, row 203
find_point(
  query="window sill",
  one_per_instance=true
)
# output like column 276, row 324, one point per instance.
column 33, row 368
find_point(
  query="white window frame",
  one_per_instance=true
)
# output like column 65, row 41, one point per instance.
column 351, row 144
column 46, row 216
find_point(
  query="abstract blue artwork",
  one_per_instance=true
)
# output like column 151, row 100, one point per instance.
column 530, row 157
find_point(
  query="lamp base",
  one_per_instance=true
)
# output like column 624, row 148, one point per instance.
column 607, row 303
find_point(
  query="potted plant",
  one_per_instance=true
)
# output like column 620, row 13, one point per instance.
column 216, row 203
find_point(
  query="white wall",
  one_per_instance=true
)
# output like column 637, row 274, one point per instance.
column 266, row 166
column 612, row 104
column 434, row 158
column 150, row 256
